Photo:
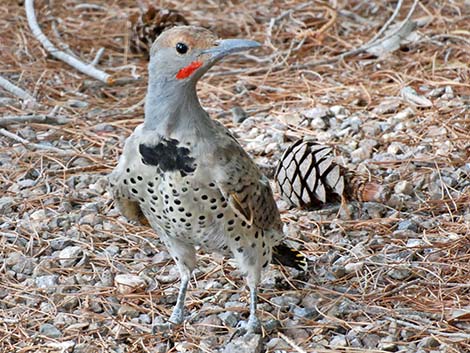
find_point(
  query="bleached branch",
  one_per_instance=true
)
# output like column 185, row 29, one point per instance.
column 32, row 145
column 98, row 56
column 372, row 43
column 45, row 119
column 87, row 69
column 15, row 90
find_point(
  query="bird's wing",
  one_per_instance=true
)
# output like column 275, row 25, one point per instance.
column 125, row 201
column 240, row 180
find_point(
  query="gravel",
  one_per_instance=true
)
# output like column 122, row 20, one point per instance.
column 382, row 276
column 245, row 344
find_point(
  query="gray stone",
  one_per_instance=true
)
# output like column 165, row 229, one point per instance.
column 64, row 319
column 46, row 281
column 339, row 110
column 360, row 154
column 306, row 313
column 415, row 243
column 403, row 187
column 374, row 210
column 371, row 340
column 145, row 319
column 50, row 331
column 276, row 344
column 272, row 325
column 75, row 103
column 229, row 318
column 91, row 219
column 318, row 123
column 310, row 301
column 69, row 302
column 83, row 348
column 339, row 341
column 104, row 127
column 38, row 215
column 60, row 243
column 436, row 92
column 388, row 344
column 387, row 107
column 211, row 323
column 127, row 310
column 160, row 348
column 399, row 273
column 249, row 343
column 353, row 267
column 285, row 301
column 14, row 258
column 6, row 204
column 408, row 224
column 428, row 342
column 70, row 255
column 317, row 112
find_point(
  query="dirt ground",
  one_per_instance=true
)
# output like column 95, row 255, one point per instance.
column 391, row 277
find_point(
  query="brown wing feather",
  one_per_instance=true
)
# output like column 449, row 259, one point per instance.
column 131, row 210
column 248, row 191
column 128, row 207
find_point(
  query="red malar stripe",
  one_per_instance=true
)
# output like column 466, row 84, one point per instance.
column 188, row 70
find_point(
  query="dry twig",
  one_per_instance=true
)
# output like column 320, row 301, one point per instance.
column 291, row 343
column 19, row 92
column 373, row 42
column 32, row 145
column 45, row 119
column 87, row 69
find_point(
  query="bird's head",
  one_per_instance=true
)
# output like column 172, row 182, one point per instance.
column 185, row 53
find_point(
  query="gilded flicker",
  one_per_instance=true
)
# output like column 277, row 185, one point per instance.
column 189, row 178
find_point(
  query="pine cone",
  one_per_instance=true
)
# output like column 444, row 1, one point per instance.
column 361, row 188
column 307, row 177
column 147, row 26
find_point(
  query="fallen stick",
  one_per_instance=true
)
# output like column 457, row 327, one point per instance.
column 38, row 146
column 43, row 118
column 15, row 90
column 389, row 22
column 98, row 56
column 372, row 42
column 367, row 45
column 87, row 69
column 291, row 343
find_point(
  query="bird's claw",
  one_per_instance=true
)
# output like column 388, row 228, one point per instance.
column 166, row 326
column 162, row 327
column 252, row 326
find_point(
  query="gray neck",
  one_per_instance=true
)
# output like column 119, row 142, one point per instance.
column 172, row 106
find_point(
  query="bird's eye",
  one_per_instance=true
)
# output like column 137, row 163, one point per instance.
column 181, row 48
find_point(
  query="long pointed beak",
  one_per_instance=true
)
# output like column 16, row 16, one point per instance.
column 225, row 47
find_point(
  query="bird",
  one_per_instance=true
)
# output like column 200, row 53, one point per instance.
column 186, row 175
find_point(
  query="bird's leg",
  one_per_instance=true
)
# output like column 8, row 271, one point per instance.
column 177, row 315
column 185, row 257
column 254, row 325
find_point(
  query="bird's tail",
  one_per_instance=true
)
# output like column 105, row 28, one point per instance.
column 287, row 256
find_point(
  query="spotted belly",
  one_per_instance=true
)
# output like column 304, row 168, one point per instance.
column 181, row 207
column 199, row 215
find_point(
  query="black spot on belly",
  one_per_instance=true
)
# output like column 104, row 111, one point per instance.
column 168, row 156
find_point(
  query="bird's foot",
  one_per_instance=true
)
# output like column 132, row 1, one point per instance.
column 177, row 316
column 162, row 327
column 176, row 319
column 252, row 326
